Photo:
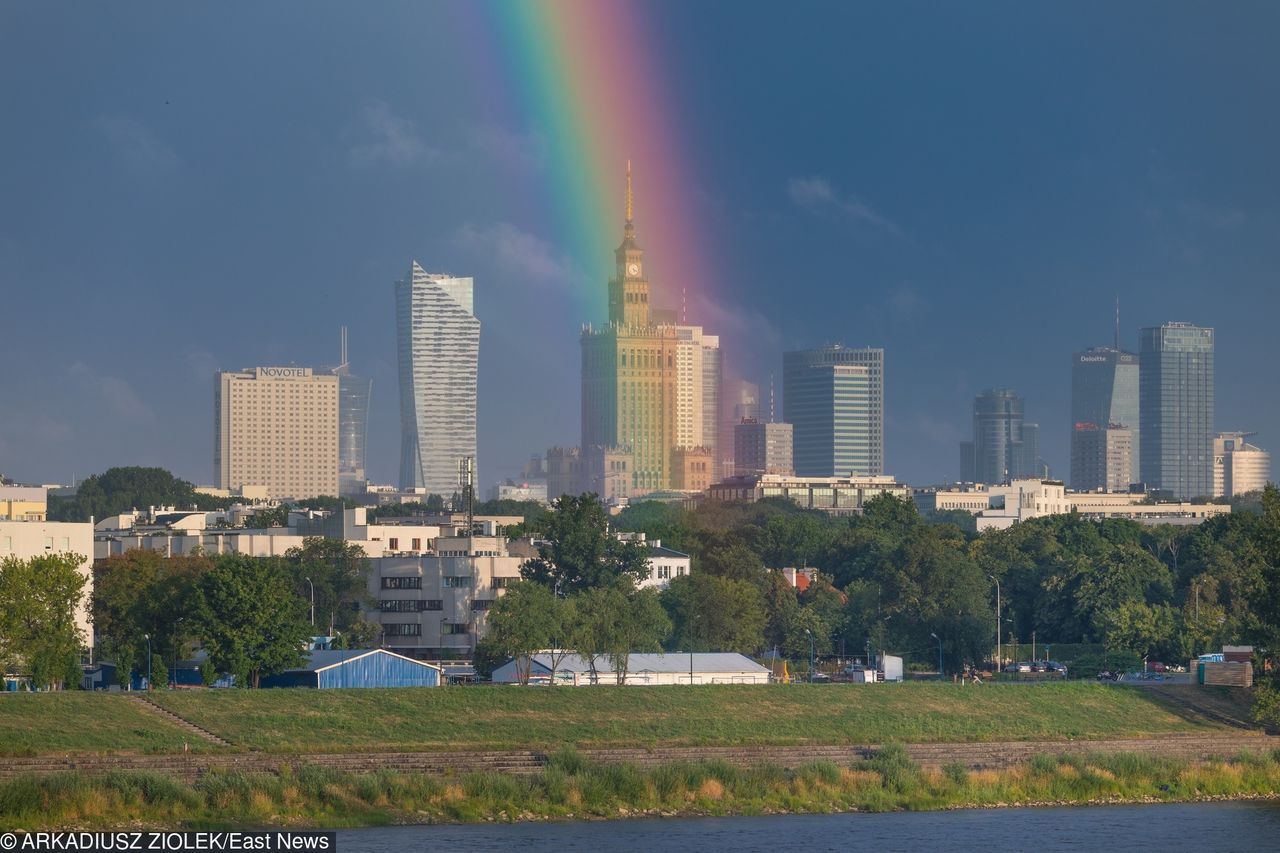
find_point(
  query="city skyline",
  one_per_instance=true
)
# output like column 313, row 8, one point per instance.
column 883, row 224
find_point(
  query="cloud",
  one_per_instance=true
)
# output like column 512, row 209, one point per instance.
column 525, row 152
column 388, row 138
column 137, row 146
column 818, row 196
column 519, row 251
column 735, row 322
column 109, row 395
column 904, row 303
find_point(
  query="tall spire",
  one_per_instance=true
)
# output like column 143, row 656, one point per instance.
column 1117, row 321
column 628, row 193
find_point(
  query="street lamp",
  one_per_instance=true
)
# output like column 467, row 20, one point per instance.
column 997, row 580
column 148, row 636
column 174, row 678
column 692, row 618
column 313, row 604
column 939, row 639
column 812, row 656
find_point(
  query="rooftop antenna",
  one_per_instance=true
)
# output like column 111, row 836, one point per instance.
column 342, row 361
column 771, row 398
column 684, row 307
column 1117, row 321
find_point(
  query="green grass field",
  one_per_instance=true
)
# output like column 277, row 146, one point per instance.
column 46, row 723
column 514, row 717
column 464, row 718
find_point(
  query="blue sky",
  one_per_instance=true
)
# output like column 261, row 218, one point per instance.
column 968, row 186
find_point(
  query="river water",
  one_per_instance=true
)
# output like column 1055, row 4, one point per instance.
column 1174, row 828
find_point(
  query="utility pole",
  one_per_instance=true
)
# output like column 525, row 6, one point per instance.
column 997, row 580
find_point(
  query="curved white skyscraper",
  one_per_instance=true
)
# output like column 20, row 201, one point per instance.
column 438, row 341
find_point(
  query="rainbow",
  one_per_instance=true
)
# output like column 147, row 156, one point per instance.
column 585, row 74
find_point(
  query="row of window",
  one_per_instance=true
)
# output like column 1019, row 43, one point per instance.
column 410, row 605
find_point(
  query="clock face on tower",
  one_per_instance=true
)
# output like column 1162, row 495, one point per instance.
column 633, row 269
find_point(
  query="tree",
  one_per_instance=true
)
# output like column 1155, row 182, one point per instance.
column 733, row 560
column 522, row 622
column 141, row 593
column 38, row 631
column 339, row 573
column 271, row 516
column 250, row 619
column 120, row 490
column 710, row 613
column 614, row 621
column 580, row 553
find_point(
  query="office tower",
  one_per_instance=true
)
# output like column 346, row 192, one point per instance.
column 739, row 400
column 1104, row 394
column 1238, row 466
column 438, row 343
column 629, row 374
column 834, row 399
column 276, row 427
column 712, row 388
column 353, row 425
column 1175, row 395
column 762, row 448
column 1101, row 458
column 1004, row 446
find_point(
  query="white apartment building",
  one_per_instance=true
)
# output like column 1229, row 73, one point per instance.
column 434, row 605
column 23, row 540
column 277, row 427
column 438, row 338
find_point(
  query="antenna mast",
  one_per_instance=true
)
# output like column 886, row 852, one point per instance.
column 1117, row 322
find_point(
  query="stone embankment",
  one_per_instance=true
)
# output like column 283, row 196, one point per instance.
column 190, row 766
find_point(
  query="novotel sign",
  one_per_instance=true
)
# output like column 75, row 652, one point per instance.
column 283, row 372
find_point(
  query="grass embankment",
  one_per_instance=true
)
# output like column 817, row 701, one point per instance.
column 465, row 718
column 573, row 788
column 548, row 718
column 73, row 721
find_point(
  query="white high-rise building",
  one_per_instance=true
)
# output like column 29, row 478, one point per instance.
column 697, row 389
column 276, row 427
column 438, row 342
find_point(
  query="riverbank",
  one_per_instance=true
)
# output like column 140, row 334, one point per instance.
column 513, row 718
column 572, row 788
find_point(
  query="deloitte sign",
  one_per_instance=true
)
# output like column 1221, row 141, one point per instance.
column 283, row 372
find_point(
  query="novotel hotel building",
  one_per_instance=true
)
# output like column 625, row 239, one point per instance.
column 277, row 427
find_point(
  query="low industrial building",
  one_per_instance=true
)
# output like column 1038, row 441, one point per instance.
column 357, row 668
column 833, row 495
column 642, row 670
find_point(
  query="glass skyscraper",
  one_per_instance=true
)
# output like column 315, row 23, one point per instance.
column 353, row 425
column 1005, row 447
column 834, row 399
column 438, row 343
column 1175, row 393
column 1104, row 394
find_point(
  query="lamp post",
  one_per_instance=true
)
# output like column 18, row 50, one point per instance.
column 313, row 604
column 812, row 655
column 174, row 678
column 939, row 639
column 692, row 618
column 148, row 636
column 997, row 580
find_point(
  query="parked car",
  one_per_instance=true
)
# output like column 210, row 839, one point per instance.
column 1039, row 666
column 1022, row 666
column 1059, row 668
column 1156, row 666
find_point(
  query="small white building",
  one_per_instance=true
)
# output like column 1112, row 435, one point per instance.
column 665, row 564
column 23, row 540
column 642, row 670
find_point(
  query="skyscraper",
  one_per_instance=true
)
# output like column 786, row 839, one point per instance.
column 1104, row 394
column 629, row 373
column 1175, row 394
column 762, row 448
column 1004, row 447
column 438, row 343
column 834, row 399
column 697, row 388
column 739, row 400
column 353, row 425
